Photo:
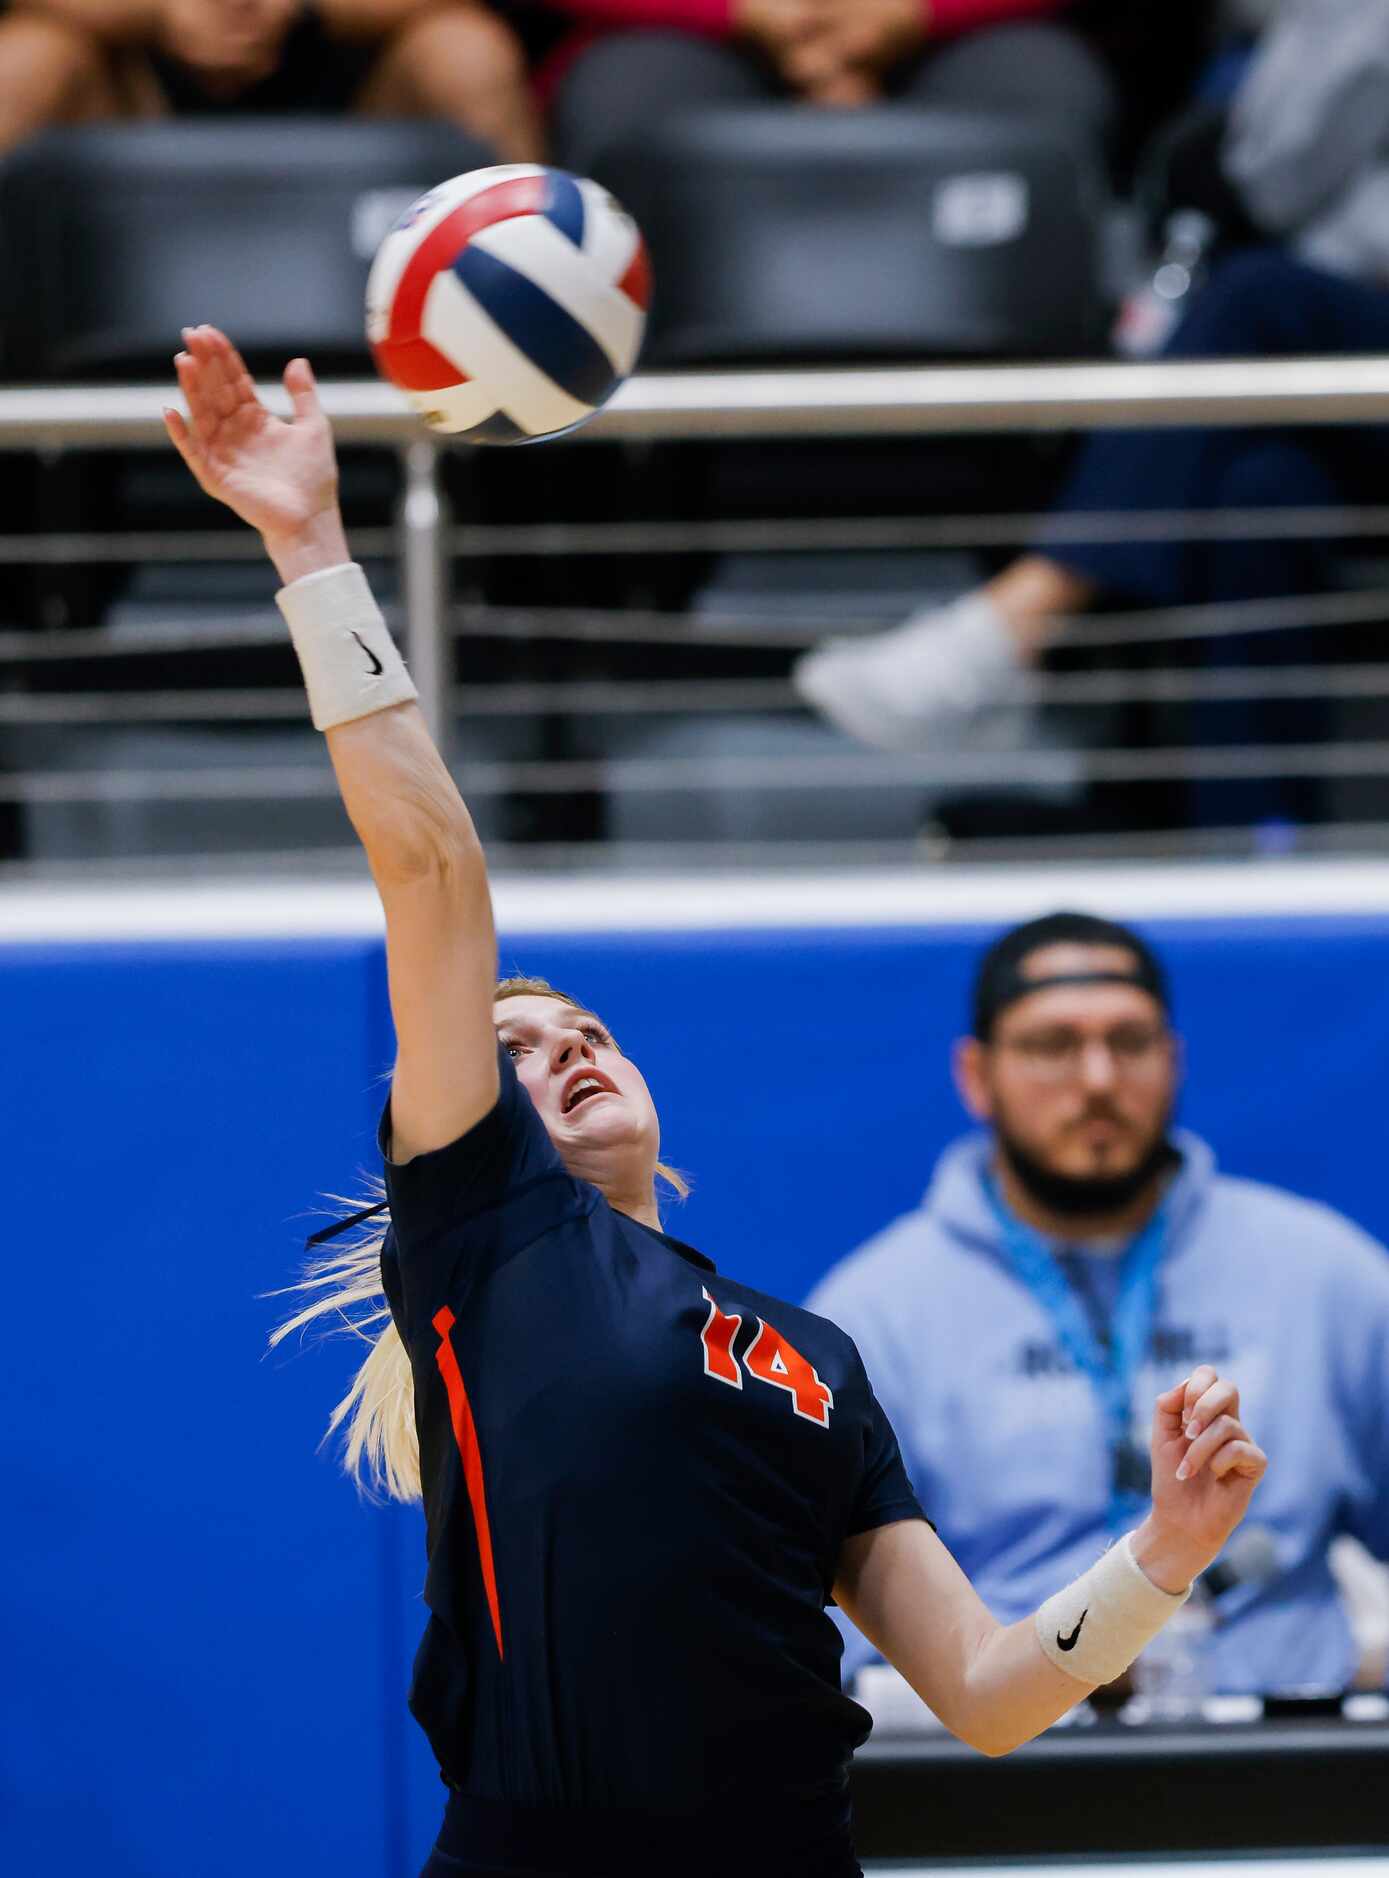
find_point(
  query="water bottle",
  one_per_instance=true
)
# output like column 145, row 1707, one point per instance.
column 1172, row 1678
column 1149, row 314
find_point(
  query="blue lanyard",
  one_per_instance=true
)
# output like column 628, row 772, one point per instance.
column 1111, row 1373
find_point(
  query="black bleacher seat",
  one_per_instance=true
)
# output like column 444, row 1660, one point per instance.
column 782, row 234
column 119, row 234
column 10, row 288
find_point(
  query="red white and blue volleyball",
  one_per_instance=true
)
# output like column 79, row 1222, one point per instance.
column 509, row 303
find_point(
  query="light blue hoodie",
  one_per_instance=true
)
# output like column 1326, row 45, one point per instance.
column 1004, row 1439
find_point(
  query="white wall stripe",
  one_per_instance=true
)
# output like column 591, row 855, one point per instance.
column 31, row 912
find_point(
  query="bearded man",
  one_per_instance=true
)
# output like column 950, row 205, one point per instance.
column 1078, row 1256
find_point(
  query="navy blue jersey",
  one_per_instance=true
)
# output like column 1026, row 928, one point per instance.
column 638, row 1479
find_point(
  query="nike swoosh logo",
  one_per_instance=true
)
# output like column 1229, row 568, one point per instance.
column 1069, row 1643
column 376, row 666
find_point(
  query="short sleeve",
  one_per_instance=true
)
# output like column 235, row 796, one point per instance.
column 508, row 1146
column 884, row 1492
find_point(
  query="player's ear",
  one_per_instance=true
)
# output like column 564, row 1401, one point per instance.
column 969, row 1061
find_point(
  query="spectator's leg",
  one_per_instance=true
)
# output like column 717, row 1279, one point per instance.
column 1262, row 470
column 1259, row 305
column 898, row 688
column 1040, row 68
column 627, row 83
column 52, row 73
column 463, row 64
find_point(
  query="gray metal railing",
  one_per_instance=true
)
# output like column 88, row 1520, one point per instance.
column 664, row 407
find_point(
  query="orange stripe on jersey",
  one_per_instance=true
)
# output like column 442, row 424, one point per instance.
column 465, row 1434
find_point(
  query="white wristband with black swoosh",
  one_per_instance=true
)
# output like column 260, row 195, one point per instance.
column 350, row 663
column 1097, row 1626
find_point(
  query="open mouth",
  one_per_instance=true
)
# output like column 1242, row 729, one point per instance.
column 584, row 1090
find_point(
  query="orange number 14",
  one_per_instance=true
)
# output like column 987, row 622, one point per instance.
column 770, row 1358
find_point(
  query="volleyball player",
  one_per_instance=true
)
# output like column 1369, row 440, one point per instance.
column 642, row 1480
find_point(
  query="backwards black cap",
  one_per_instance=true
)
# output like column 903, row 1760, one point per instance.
column 1000, row 981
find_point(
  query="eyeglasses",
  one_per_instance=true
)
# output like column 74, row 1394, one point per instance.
column 1058, row 1054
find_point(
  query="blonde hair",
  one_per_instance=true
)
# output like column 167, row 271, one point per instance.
column 380, row 1449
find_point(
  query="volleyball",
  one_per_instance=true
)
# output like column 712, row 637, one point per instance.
column 509, row 303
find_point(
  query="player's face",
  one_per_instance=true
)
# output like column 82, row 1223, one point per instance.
column 1083, row 1078
column 593, row 1100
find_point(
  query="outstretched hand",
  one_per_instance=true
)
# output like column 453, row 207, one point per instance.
column 280, row 477
column 1206, row 1464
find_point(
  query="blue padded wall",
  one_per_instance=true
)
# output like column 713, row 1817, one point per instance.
column 195, row 1662
column 207, row 1637
column 804, row 1082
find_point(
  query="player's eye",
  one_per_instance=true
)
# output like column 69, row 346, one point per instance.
column 596, row 1034
column 512, row 1049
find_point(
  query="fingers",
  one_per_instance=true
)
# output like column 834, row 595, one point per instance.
column 220, row 366
column 233, row 367
column 213, row 377
column 1215, row 1403
column 202, row 385
column 181, row 439
column 1194, row 1410
column 1245, row 1458
column 1222, row 1398
column 1223, row 1429
column 1170, row 1419
column 214, row 394
column 1197, row 1384
column 202, row 416
column 1203, row 1409
column 302, row 387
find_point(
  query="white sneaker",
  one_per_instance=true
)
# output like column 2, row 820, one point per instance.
column 917, row 682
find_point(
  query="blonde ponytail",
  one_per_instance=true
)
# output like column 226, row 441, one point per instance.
column 381, row 1449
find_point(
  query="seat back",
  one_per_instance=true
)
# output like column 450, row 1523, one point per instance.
column 9, row 284
column 119, row 234
column 785, row 234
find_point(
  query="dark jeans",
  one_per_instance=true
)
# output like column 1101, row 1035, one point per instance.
column 1260, row 304
column 627, row 82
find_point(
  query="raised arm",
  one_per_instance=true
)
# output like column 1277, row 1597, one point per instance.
column 996, row 1685
column 420, row 842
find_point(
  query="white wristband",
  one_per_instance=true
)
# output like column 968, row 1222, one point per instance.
column 1098, row 1625
column 349, row 660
